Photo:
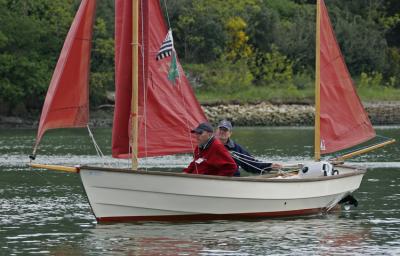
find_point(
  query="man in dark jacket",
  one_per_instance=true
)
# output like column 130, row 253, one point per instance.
column 210, row 156
column 239, row 154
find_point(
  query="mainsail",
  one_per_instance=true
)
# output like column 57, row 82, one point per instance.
column 66, row 103
column 167, row 111
column 343, row 121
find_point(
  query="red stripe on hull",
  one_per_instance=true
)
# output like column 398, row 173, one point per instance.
column 205, row 217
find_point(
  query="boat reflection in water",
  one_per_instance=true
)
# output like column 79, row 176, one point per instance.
column 321, row 234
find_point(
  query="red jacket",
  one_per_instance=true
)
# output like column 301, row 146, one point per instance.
column 214, row 159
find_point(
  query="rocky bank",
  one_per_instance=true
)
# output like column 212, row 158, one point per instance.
column 262, row 114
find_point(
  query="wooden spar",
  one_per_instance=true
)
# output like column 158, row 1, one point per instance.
column 292, row 166
column 317, row 125
column 55, row 167
column 135, row 83
column 362, row 151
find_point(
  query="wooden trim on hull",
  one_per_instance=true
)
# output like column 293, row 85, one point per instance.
column 260, row 178
column 207, row 217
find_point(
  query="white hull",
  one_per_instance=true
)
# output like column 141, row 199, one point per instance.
column 121, row 195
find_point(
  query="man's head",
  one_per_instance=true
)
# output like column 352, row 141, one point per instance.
column 224, row 131
column 203, row 133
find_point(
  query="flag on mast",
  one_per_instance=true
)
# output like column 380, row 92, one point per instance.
column 166, row 47
column 173, row 72
column 166, row 50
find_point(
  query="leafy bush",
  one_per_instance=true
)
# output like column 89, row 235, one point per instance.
column 222, row 76
column 374, row 80
column 393, row 67
column 303, row 80
column 271, row 68
column 99, row 85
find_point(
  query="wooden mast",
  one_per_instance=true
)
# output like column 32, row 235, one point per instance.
column 135, row 83
column 317, row 138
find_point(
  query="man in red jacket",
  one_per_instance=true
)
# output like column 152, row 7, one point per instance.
column 210, row 156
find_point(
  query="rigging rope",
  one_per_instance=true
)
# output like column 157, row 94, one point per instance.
column 236, row 156
column 142, row 46
column 187, row 122
column 166, row 11
column 244, row 156
column 96, row 146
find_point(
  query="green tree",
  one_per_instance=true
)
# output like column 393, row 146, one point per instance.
column 295, row 37
column 26, row 49
column 237, row 45
column 31, row 37
column 201, row 27
column 360, row 34
column 199, row 34
column 102, row 64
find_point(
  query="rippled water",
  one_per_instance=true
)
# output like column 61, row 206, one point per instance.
column 47, row 213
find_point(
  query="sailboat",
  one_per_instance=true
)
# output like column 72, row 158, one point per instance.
column 154, row 114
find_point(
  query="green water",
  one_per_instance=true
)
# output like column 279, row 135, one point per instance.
column 47, row 213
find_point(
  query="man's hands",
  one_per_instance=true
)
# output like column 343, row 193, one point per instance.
column 276, row 166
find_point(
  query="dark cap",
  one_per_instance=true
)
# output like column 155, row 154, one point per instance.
column 203, row 127
column 225, row 124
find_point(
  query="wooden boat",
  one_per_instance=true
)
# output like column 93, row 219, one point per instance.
column 154, row 114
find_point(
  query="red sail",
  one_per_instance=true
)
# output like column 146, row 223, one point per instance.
column 66, row 103
column 344, row 122
column 167, row 111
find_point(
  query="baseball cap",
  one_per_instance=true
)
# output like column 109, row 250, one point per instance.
column 225, row 124
column 203, row 127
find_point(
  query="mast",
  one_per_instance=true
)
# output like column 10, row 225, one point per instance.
column 317, row 125
column 135, row 83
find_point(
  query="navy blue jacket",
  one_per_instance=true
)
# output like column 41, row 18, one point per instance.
column 244, row 159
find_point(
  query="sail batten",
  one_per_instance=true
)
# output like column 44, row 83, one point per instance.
column 343, row 120
column 67, row 100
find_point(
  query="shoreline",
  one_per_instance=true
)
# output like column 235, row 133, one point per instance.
column 261, row 114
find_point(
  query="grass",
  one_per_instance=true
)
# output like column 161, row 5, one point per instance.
column 257, row 94
column 289, row 96
column 379, row 94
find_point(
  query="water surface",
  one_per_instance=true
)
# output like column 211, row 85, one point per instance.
column 47, row 213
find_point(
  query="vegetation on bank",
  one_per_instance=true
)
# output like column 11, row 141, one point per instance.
column 291, row 95
column 236, row 51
